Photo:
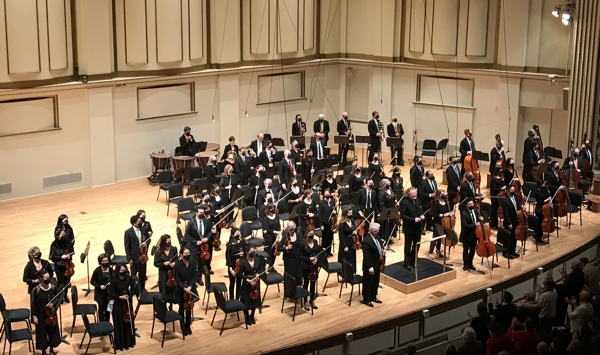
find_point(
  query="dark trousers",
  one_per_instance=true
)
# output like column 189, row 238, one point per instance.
column 185, row 313
column 538, row 231
column 343, row 152
column 103, row 313
column 306, row 283
column 139, row 269
column 469, row 252
column 527, row 173
column 60, row 276
column 410, row 247
column 269, row 248
column 512, row 242
column 235, row 282
column 494, row 215
column 327, row 237
column 436, row 244
column 370, row 284
column 374, row 148
column 451, row 198
column 398, row 153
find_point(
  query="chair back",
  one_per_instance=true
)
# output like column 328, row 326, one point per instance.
column 221, row 167
column 347, row 169
column 2, row 304
column 532, row 221
column 138, row 286
column 196, row 173
column 249, row 213
column 86, row 322
column 503, row 237
column 165, row 177
column 279, row 155
column 275, row 184
column 160, row 309
column 429, row 144
column 290, row 286
column 283, row 206
column 220, row 300
column 324, row 263
column 575, row 198
column 108, row 248
column 245, row 230
column 179, row 236
column 186, row 204
column 261, row 212
column 74, row 297
column 529, row 186
column 347, row 271
column 343, row 191
column 175, row 190
column 207, row 275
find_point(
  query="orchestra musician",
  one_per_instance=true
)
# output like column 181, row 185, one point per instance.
column 318, row 147
column 427, row 191
column 367, row 201
column 527, row 147
column 63, row 227
column 375, row 134
column 510, row 206
column 145, row 225
column 197, row 232
column 295, row 152
column 322, row 126
column 35, row 264
column 553, row 178
column 417, row 172
column 256, row 181
column 412, row 216
column 250, row 267
column 309, row 168
column 267, row 156
column 265, row 195
column 295, row 195
column 215, row 205
column 346, row 229
column 495, row 154
column 236, row 247
column 467, row 147
column 586, row 153
column 292, row 252
column 533, row 159
column 133, row 239
column 46, row 335
column 375, row 167
column 441, row 208
column 394, row 129
column 271, row 226
column 164, row 259
column 101, row 281
column 542, row 197
column 509, row 172
column 243, row 164
column 454, row 178
column 60, row 251
column 122, row 289
column 326, row 210
column 299, row 128
column 373, row 252
column 258, row 145
column 576, row 161
column 356, row 180
column 228, row 184
column 386, row 199
column 329, row 184
column 287, row 170
column 186, row 141
column 230, row 147
column 210, row 171
column 186, row 276
column 343, row 129
column 469, row 222
column 497, row 185
column 467, row 189
column 397, row 182
column 307, row 210
column 310, row 249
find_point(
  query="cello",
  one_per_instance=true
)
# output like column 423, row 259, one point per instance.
column 471, row 165
column 522, row 227
column 548, row 225
column 485, row 247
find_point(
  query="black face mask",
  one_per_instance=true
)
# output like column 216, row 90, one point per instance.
column 329, row 176
column 420, row 163
column 243, row 154
column 251, row 254
column 376, row 159
column 65, row 221
column 188, row 134
column 37, row 255
column 295, row 145
column 443, row 197
column 311, row 236
column 292, row 231
column 46, row 282
column 387, row 187
column 394, row 120
column 104, row 264
column 327, row 197
column 557, row 168
column 431, row 177
column 575, row 155
column 167, row 244
column 186, row 257
column 123, row 273
column 377, row 117
column 471, row 208
column 357, row 171
column 455, row 162
column 294, row 185
column 372, row 187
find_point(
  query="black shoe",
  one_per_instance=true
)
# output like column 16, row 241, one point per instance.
column 329, row 255
column 401, row 163
column 212, row 272
column 377, row 301
column 391, row 242
column 508, row 256
column 465, row 268
column 515, row 255
column 422, row 232
column 471, row 267
column 314, row 306
column 190, row 331
column 368, row 304
column 494, row 228
column 408, row 267
column 200, row 282
column 67, row 300
column 252, row 320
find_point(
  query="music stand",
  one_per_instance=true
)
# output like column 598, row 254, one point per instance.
column 320, row 164
column 364, row 140
column 270, row 171
column 388, row 214
column 553, row 152
column 241, row 192
column 345, row 200
column 294, row 212
column 442, row 145
column 301, row 139
column 192, row 190
column 341, row 140
column 84, row 257
column 278, row 142
column 450, row 234
column 183, row 173
column 394, row 142
column 481, row 156
column 317, row 179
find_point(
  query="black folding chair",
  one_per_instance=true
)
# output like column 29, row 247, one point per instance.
column 293, row 291
column 81, row 309
column 211, row 287
column 271, row 278
column 502, row 244
column 97, row 330
column 576, row 201
column 228, row 307
column 165, row 317
column 184, row 208
column 348, row 277
column 175, row 193
column 165, row 179
column 143, row 297
column 13, row 315
column 114, row 259
column 330, row 268
column 13, row 336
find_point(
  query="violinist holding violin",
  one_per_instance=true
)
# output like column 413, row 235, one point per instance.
column 310, row 249
column 542, row 197
column 134, row 240
column 198, row 236
column 101, row 281
column 164, row 260
column 47, row 333
column 469, row 222
column 234, row 253
column 63, row 227
column 412, row 217
column 373, row 252
column 441, row 208
column 122, row 288
column 271, row 226
column 326, row 212
column 498, row 186
column 346, row 230
column 250, row 267
column 510, row 206
column 186, row 275
column 144, row 225
column 60, row 254
column 291, row 247
column 307, row 210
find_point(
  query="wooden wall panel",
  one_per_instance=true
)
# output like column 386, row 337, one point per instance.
column 136, row 31
column 56, row 20
column 21, row 23
column 260, row 26
column 287, row 26
column 196, row 25
column 309, row 15
column 169, row 28
column 416, row 26
column 477, row 28
column 444, row 27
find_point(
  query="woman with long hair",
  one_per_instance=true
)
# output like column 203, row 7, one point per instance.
column 309, row 252
column 441, row 208
column 35, row 264
column 356, row 180
column 122, row 289
column 234, row 251
column 101, row 281
column 346, row 229
column 164, row 259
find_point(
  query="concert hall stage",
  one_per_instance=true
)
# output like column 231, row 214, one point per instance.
column 429, row 273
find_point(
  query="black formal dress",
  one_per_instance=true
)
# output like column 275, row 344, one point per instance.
column 355, row 183
column 527, row 147
column 372, row 248
column 468, row 223
column 228, row 149
column 438, row 211
column 101, row 278
column 427, row 190
column 375, row 147
column 374, row 170
column 46, row 335
column 186, row 147
column 58, row 248
column 69, row 234
column 270, row 225
column 386, row 199
column 255, row 180
column 307, row 252
column 233, row 253
column 308, row 165
column 346, row 242
column 508, row 175
column 227, row 194
column 495, row 154
column 160, row 258
column 397, row 151
column 330, row 184
column 31, row 270
column 211, row 174
column 124, row 331
column 247, row 273
column 185, row 276
column 454, row 178
column 292, row 259
column 495, row 188
column 304, row 209
column 324, row 210
column 410, row 210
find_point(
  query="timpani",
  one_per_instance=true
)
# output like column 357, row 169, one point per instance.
column 180, row 162
column 160, row 161
column 213, row 147
column 202, row 157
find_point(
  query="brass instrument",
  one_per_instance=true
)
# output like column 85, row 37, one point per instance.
column 231, row 155
column 302, row 128
column 382, row 138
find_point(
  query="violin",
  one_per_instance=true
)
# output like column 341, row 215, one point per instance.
column 309, row 221
column 222, row 221
column 254, row 291
column 276, row 250
column 237, row 266
column 471, row 165
column 188, row 300
column 51, row 316
column 360, row 230
column 69, row 265
column 144, row 252
column 171, row 278
column 204, row 251
column 334, row 223
column 314, row 271
column 217, row 238
column 127, row 312
column 485, row 247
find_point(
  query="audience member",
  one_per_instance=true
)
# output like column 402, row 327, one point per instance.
column 470, row 345
column 579, row 315
column 451, row 350
column 504, row 312
column 543, row 349
column 411, row 349
column 525, row 340
column 529, row 308
column 582, row 342
column 499, row 341
column 591, row 277
column 546, row 297
column 480, row 325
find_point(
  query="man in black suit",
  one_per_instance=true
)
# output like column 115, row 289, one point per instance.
column 527, row 147
column 134, row 238
column 533, row 159
column 587, row 154
column 243, row 164
column 299, row 127
column 574, row 161
column 367, row 201
column 318, row 148
column 375, row 135
column 417, row 172
column 495, row 154
column 197, row 233
column 373, row 251
column 262, row 194
column 322, row 126
column 257, row 146
column 510, row 206
column 392, row 128
column 553, row 178
column 454, row 179
column 505, row 311
column 266, row 155
column 426, row 193
column 186, row 141
column 469, row 222
column 256, row 181
column 287, row 170
column 467, row 189
column 467, row 147
column 343, row 129
column 412, row 217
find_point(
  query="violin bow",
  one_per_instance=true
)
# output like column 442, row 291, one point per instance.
column 73, row 242
column 74, row 252
column 59, row 292
column 363, row 222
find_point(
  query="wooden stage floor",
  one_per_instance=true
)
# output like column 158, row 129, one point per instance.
column 103, row 213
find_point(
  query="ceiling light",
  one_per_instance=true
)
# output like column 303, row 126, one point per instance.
column 566, row 22
column 556, row 11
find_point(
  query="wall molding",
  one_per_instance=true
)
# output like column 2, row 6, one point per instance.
column 66, row 37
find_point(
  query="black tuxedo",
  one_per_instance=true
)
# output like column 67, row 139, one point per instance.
column 296, row 128
column 531, row 161
column 186, row 147
column 254, row 146
column 262, row 195
column 285, row 174
column 264, row 160
column 368, row 204
column 495, row 188
column 494, row 156
column 465, row 191
column 416, row 175
column 586, row 154
column 343, row 126
column 527, row 147
column 132, row 251
column 228, row 149
column 454, row 179
column 467, row 235
column 386, row 200
column 425, row 190
column 410, row 210
column 391, row 132
column 372, row 253
column 313, row 147
column 466, row 145
column 553, row 181
column 195, row 232
column 242, row 166
column 510, row 219
column 569, row 159
column 375, row 140
column 317, row 128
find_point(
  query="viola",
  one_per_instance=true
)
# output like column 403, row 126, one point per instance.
column 222, row 221
column 144, row 252
column 471, row 165
column 171, row 278
column 217, row 238
column 237, row 266
column 334, row 223
column 204, row 251
column 548, row 225
column 485, row 247
column 188, row 300
column 276, row 250
column 69, row 265
column 500, row 210
column 356, row 245
column 360, row 230
column 521, row 228
column 309, row 221
column 382, row 264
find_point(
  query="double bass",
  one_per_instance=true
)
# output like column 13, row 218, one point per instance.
column 502, row 160
column 470, row 164
column 485, row 247
column 571, row 176
column 535, row 171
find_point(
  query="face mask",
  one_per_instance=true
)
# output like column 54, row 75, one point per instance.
column 372, row 187
column 104, row 264
column 311, row 236
column 377, row 117
column 455, row 162
column 575, row 155
column 188, row 134
column 65, row 221
column 186, row 257
column 387, row 187
column 394, row 120
column 37, row 256
column 46, row 282
column 294, row 185
column 251, row 254
column 376, row 159
column 327, row 197
column 557, row 168
column 329, row 176
column 431, row 177
column 269, row 186
column 357, row 170
column 420, row 163
column 471, row 208
column 292, row 230
column 443, row 197
column 123, row 273
column 243, row 154
column 295, row 145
